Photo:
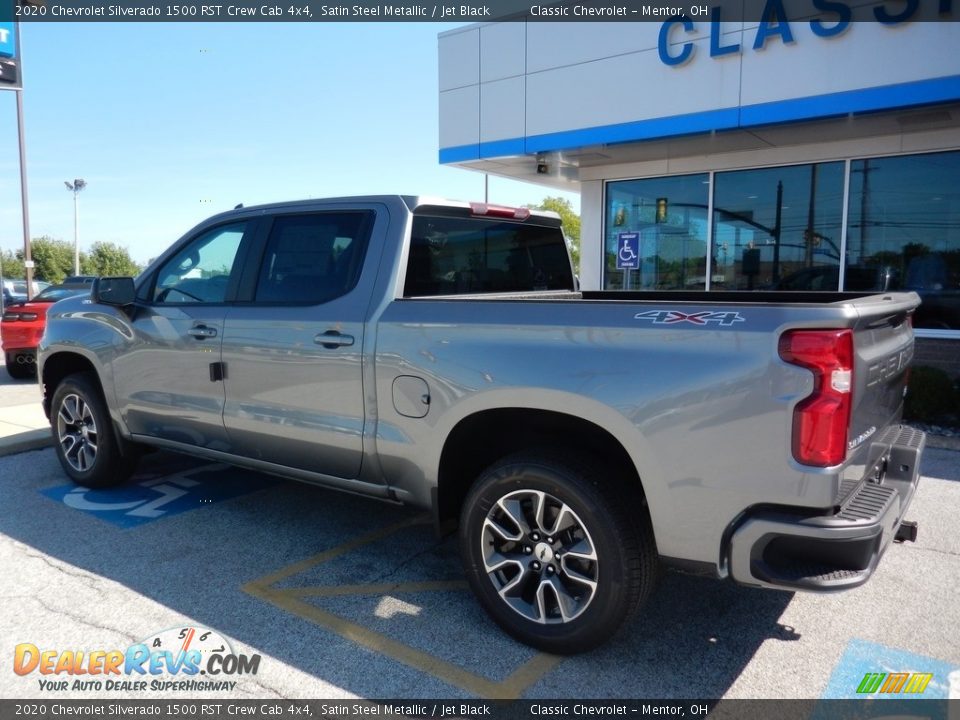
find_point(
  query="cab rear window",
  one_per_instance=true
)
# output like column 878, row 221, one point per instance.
column 457, row 255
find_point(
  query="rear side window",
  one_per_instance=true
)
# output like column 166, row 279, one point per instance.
column 456, row 255
column 310, row 259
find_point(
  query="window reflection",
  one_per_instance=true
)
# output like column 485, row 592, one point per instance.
column 670, row 217
column 904, row 232
column 778, row 228
column 201, row 271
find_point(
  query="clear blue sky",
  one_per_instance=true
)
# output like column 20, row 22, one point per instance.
column 172, row 122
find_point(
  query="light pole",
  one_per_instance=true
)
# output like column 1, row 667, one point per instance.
column 75, row 187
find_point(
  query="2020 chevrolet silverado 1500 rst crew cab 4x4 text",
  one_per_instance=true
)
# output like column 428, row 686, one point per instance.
column 437, row 354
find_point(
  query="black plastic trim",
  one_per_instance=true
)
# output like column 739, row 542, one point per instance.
column 691, row 567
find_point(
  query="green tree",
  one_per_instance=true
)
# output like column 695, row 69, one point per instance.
column 53, row 259
column 571, row 224
column 107, row 258
column 11, row 265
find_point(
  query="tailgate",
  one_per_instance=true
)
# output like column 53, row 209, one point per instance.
column 883, row 349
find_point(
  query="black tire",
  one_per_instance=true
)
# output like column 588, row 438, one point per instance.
column 83, row 434
column 538, row 589
column 18, row 371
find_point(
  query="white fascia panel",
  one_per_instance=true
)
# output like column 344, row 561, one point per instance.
column 459, row 59
column 460, row 117
column 628, row 88
column 502, row 110
column 502, row 51
column 559, row 44
column 868, row 55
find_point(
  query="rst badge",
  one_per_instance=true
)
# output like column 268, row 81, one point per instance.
column 704, row 317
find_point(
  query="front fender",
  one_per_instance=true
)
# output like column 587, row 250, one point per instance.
column 82, row 334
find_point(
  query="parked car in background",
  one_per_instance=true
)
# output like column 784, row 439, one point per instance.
column 19, row 287
column 23, row 323
column 926, row 275
column 79, row 280
column 16, row 290
column 827, row 277
column 10, row 297
column 930, row 276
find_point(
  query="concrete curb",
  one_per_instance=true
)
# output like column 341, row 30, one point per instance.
column 26, row 441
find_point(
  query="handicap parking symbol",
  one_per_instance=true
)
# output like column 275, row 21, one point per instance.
column 628, row 251
column 158, row 497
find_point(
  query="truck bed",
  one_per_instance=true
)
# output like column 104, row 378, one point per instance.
column 752, row 297
column 736, row 297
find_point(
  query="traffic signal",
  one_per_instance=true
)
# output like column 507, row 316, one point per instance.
column 661, row 210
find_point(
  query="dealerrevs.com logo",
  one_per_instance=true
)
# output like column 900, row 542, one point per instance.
column 178, row 659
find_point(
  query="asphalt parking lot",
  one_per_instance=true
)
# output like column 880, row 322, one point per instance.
column 346, row 597
column 343, row 596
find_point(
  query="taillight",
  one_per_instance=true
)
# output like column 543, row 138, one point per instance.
column 29, row 317
column 499, row 211
column 821, row 421
column 11, row 316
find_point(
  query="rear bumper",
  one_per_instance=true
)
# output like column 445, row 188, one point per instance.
column 778, row 549
column 18, row 337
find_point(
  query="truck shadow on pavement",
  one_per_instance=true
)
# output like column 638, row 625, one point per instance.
column 356, row 593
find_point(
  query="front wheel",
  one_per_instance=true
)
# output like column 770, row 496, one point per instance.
column 84, row 440
column 559, row 554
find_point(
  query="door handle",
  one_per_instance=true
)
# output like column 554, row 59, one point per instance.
column 333, row 339
column 202, row 331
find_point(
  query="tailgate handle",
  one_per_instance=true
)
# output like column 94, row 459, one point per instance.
column 895, row 320
column 332, row 339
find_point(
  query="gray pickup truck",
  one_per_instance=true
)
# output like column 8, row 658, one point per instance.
column 438, row 354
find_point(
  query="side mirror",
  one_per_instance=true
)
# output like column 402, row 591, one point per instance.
column 114, row 291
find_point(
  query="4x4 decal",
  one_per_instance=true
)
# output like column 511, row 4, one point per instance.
column 671, row 317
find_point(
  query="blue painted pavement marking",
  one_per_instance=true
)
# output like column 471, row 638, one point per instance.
column 154, row 498
column 862, row 657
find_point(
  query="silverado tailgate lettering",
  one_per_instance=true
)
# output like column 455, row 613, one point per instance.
column 889, row 366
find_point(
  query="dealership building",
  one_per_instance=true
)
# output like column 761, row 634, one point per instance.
column 816, row 152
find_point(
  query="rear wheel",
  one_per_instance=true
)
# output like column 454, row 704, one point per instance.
column 559, row 554
column 83, row 434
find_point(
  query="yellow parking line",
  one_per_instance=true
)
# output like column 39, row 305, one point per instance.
column 527, row 674
column 288, row 599
column 378, row 589
column 511, row 688
column 327, row 555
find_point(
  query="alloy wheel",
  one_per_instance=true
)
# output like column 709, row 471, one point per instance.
column 540, row 557
column 77, row 432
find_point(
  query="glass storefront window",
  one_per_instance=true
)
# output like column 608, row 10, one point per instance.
column 666, row 221
column 778, row 228
column 904, row 232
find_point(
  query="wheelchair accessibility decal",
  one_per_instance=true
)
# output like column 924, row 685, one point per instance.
column 628, row 251
column 151, row 497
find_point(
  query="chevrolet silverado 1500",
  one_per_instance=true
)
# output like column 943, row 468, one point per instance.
column 438, row 354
